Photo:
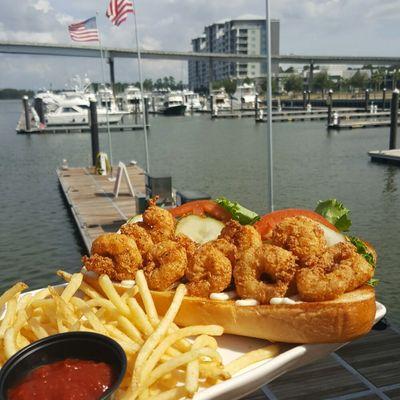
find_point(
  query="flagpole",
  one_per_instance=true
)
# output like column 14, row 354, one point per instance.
column 146, row 145
column 104, row 84
column 269, row 112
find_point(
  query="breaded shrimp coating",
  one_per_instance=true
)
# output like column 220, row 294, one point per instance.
column 242, row 236
column 210, row 270
column 302, row 236
column 115, row 255
column 166, row 266
column 158, row 222
column 265, row 272
column 140, row 236
column 340, row 269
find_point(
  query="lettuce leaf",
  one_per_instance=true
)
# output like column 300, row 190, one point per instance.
column 373, row 282
column 335, row 212
column 362, row 249
column 238, row 212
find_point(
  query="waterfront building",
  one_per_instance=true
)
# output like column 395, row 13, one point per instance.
column 238, row 36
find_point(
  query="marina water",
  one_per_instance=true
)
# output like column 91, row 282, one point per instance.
column 220, row 157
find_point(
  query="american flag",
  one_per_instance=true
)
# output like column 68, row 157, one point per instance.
column 118, row 11
column 84, row 31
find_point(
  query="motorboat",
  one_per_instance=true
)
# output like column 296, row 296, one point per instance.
column 191, row 100
column 131, row 99
column 79, row 115
column 221, row 100
column 245, row 96
column 173, row 104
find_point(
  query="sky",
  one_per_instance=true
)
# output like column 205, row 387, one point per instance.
column 320, row 27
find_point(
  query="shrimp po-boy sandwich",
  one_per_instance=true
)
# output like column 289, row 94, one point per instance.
column 289, row 276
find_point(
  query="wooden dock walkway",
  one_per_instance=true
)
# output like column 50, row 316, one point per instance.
column 385, row 156
column 367, row 369
column 92, row 202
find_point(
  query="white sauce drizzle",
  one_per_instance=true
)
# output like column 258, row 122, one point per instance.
column 247, row 302
column 285, row 300
column 224, row 295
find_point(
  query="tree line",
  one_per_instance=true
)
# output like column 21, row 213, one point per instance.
column 9, row 93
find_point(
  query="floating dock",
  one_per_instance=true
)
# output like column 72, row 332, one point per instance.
column 91, row 200
column 378, row 123
column 367, row 369
column 385, row 156
column 79, row 128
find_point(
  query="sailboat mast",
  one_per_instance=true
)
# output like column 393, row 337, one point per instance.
column 270, row 168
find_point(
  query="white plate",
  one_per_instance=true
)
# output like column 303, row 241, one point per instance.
column 254, row 377
column 257, row 375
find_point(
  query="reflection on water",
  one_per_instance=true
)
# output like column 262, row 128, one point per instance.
column 390, row 181
column 220, row 157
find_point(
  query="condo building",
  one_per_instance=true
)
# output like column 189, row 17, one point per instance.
column 238, row 36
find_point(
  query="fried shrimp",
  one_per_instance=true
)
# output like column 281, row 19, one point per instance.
column 242, row 236
column 275, row 264
column 210, row 270
column 142, row 238
column 339, row 270
column 115, row 255
column 167, row 264
column 159, row 223
column 188, row 244
column 302, row 236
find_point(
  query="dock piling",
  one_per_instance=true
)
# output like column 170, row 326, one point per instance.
column 304, row 100
column 256, row 106
column 212, row 105
column 394, row 108
column 366, row 99
column 26, row 113
column 329, row 101
column 308, row 97
column 146, row 111
column 38, row 104
column 383, row 99
column 94, row 131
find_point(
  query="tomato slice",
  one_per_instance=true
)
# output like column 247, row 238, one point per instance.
column 267, row 222
column 202, row 207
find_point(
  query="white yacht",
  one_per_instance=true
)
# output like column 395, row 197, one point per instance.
column 221, row 99
column 245, row 96
column 68, row 114
column 191, row 100
column 131, row 99
column 173, row 104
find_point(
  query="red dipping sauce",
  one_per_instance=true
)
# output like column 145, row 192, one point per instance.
column 70, row 379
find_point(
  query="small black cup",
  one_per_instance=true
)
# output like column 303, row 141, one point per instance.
column 80, row 345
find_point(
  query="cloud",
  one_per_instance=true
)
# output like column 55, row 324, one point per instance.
column 43, row 5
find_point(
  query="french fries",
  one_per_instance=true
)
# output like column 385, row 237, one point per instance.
column 162, row 362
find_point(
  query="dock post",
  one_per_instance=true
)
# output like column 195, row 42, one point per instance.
column 38, row 104
column 308, row 97
column 212, row 105
column 112, row 74
column 94, row 131
column 304, row 99
column 366, row 99
column 153, row 103
column 256, row 106
column 26, row 113
column 394, row 109
column 146, row 111
column 329, row 101
column 383, row 98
